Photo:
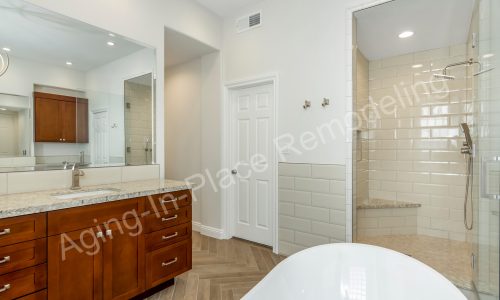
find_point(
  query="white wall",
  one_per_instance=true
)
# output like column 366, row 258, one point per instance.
column 23, row 74
column 211, row 136
column 183, row 124
column 193, row 102
column 304, row 41
column 145, row 23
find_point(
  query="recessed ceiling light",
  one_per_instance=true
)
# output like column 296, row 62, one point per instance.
column 6, row 49
column 68, row 63
column 1, row 108
column 488, row 55
column 111, row 34
column 110, row 43
column 405, row 34
column 417, row 66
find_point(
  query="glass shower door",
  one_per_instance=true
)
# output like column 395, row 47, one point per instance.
column 485, row 93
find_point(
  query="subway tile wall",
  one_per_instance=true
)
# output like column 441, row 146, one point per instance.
column 311, row 206
column 414, row 138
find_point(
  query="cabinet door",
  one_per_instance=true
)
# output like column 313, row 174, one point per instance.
column 75, row 265
column 124, row 273
column 82, row 120
column 69, row 121
column 48, row 123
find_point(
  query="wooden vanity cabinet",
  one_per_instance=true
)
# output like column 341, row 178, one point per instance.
column 120, row 249
column 60, row 119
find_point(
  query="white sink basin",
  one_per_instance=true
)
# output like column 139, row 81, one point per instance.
column 87, row 193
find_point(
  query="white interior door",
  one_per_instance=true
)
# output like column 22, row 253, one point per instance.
column 9, row 135
column 101, row 137
column 252, row 127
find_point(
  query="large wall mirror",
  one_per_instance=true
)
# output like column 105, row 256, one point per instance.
column 71, row 93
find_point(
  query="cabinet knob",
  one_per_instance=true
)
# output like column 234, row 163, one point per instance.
column 109, row 232
column 99, row 234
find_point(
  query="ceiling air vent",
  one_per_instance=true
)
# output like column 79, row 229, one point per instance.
column 248, row 22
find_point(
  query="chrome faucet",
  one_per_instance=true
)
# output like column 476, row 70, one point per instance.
column 75, row 175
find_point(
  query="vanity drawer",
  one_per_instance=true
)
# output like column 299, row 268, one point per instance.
column 168, row 201
column 24, row 282
column 19, row 256
column 21, row 229
column 166, row 263
column 158, row 221
column 166, row 237
column 72, row 219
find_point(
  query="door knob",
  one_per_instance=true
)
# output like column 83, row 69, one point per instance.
column 234, row 172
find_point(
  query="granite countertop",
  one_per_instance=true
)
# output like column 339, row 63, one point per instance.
column 381, row 203
column 13, row 205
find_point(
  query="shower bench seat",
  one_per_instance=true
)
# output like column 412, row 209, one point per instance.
column 377, row 217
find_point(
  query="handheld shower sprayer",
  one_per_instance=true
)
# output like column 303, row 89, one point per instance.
column 468, row 150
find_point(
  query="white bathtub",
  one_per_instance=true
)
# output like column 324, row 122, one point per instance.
column 353, row 272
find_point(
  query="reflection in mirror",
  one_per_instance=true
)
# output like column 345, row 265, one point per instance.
column 15, row 130
column 75, row 82
column 138, row 120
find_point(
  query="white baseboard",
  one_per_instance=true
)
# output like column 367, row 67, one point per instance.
column 213, row 232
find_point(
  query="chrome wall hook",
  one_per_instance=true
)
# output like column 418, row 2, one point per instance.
column 307, row 104
column 326, row 102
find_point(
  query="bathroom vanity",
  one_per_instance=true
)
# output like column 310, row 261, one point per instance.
column 118, row 243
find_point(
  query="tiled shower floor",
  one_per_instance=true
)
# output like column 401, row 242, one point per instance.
column 450, row 258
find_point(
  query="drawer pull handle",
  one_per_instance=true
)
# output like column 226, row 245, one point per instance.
column 5, row 259
column 5, row 287
column 169, row 219
column 166, row 264
column 170, row 236
column 5, row 231
column 168, row 201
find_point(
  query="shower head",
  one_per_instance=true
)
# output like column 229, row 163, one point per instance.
column 444, row 76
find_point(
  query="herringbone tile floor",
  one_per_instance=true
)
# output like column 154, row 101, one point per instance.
column 222, row 269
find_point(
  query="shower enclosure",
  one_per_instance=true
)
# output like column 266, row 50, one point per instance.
column 426, row 146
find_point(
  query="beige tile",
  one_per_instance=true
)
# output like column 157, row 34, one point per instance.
column 96, row 176
column 288, row 249
column 294, row 170
column 285, row 182
column 338, row 217
column 329, row 230
column 328, row 201
column 328, row 172
column 312, row 185
column 298, row 197
column 286, row 209
column 312, row 213
column 310, row 240
column 286, row 235
column 294, row 223
column 38, row 181
column 135, row 173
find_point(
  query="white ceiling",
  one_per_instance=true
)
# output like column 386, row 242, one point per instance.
column 39, row 35
column 436, row 24
column 225, row 7
column 180, row 48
